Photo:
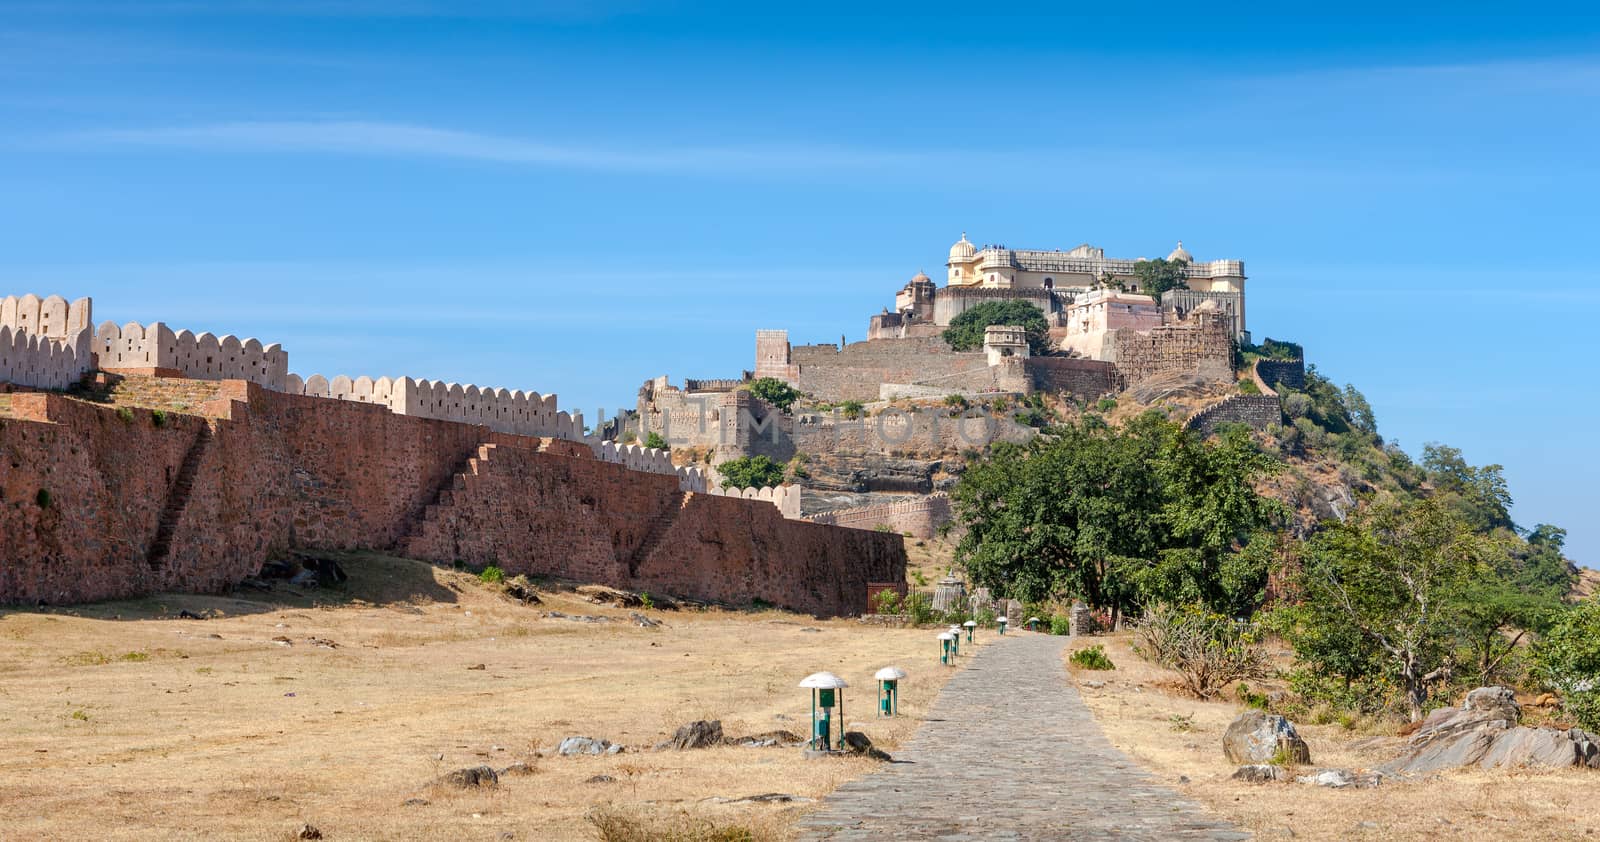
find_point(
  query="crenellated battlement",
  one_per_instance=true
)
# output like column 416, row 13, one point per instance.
column 157, row 349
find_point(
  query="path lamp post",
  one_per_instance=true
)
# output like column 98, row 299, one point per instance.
column 945, row 640
column 955, row 642
column 1002, row 621
column 889, row 690
column 1033, row 624
column 827, row 694
column 970, row 626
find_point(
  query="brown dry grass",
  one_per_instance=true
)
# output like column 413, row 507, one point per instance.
column 1143, row 713
column 120, row 723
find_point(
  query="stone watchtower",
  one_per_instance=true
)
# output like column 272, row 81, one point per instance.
column 1001, row 342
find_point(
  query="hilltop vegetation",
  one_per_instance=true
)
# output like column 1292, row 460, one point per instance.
column 1394, row 581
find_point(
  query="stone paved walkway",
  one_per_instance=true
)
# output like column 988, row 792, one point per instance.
column 1011, row 752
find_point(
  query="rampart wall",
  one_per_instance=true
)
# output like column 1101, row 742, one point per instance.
column 854, row 371
column 50, row 316
column 1080, row 378
column 155, row 349
column 88, row 488
column 1276, row 373
column 920, row 517
column 1258, row 411
column 40, row 362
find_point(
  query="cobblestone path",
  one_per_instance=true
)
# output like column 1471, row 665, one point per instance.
column 1011, row 752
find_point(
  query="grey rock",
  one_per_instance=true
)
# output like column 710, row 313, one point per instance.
column 1484, row 732
column 415, row 802
column 642, row 621
column 477, row 776
column 1260, row 737
column 601, row 779
column 1342, row 779
column 1260, row 773
column 697, row 734
column 584, row 745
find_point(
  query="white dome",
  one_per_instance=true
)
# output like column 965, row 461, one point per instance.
column 823, row 681
column 970, row 624
column 1181, row 253
column 962, row 251
column 890, row 674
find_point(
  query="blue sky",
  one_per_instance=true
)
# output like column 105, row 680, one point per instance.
column 574, row 197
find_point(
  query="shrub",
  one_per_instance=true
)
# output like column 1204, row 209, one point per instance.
column 1250, row 699
column 986, row 617
column 492, row 575
column 888, row 602
column 1567, row 660
column 158, row 418
column 655, row 441
column 125, row 414
column 1060, row 624
column 1208, row 650
column 42, row 498
column 1296, row 405
column 1092, row 658
column 1106, row 404
column 851, row 410
column 919, row 608
column 1248, row 386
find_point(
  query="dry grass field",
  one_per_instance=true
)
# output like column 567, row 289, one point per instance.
column 340, row 707
column 1179, row 739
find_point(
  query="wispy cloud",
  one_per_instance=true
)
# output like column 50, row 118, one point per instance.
column 410, row 140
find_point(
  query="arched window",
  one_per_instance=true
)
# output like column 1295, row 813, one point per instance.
column 1049, row 283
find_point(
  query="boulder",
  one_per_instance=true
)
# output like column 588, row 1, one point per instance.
column 699, row 734
column 585, row 745
column 476, row 776
column 1484, row 732
column 1260, row 773
column 1260, row 737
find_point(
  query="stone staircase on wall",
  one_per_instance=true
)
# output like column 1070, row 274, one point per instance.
column 177, row 499
column 659, row 527
column 465, row 476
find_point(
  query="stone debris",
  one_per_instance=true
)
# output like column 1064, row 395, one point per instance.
column 282, row 641
column 1260, row 773
column 1342, row 779
column 587, row 745
column 479, row 667
column 697, row 734
column 521, row 589
column 642, row 621
column 517, row 770
column 764, row 798
column 306, row 831
column 1259, row 737
column 767, row 740
column 322, row 642
column 601, row 779
column 577, row 618
column 476, row 776
column 415, row 802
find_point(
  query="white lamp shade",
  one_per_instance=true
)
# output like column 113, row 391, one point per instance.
column 823, row 681
column 970, row 624
column 947, row 636
column 890, row 674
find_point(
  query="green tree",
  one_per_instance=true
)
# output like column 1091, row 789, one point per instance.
column 1567, row 660
column 750, row 472
column 655, row 441
column 1382, row 592
column 1115, row 516
column 1478, row 494
column 774, row 391
column 965, row 332
column 1159, row 275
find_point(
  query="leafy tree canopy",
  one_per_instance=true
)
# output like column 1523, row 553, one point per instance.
column 1118, row 517
column 965, row 332
column 750, row 472
column 774, row 391
column 1479, row 494
column 1159, row 275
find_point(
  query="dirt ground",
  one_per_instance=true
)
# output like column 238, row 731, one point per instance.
column 1179, row 739
column 340, row 707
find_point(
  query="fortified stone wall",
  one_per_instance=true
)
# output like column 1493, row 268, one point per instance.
column 1089, row 379
column 155, row 349
column 517, row 413
column 854, row 372
column 1258, row 411
column 1203, row 344
column 928, row 431
column 42, row 362
column 920, row 517
column 97, row 505
column 50, row 317
column 1276, row 373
